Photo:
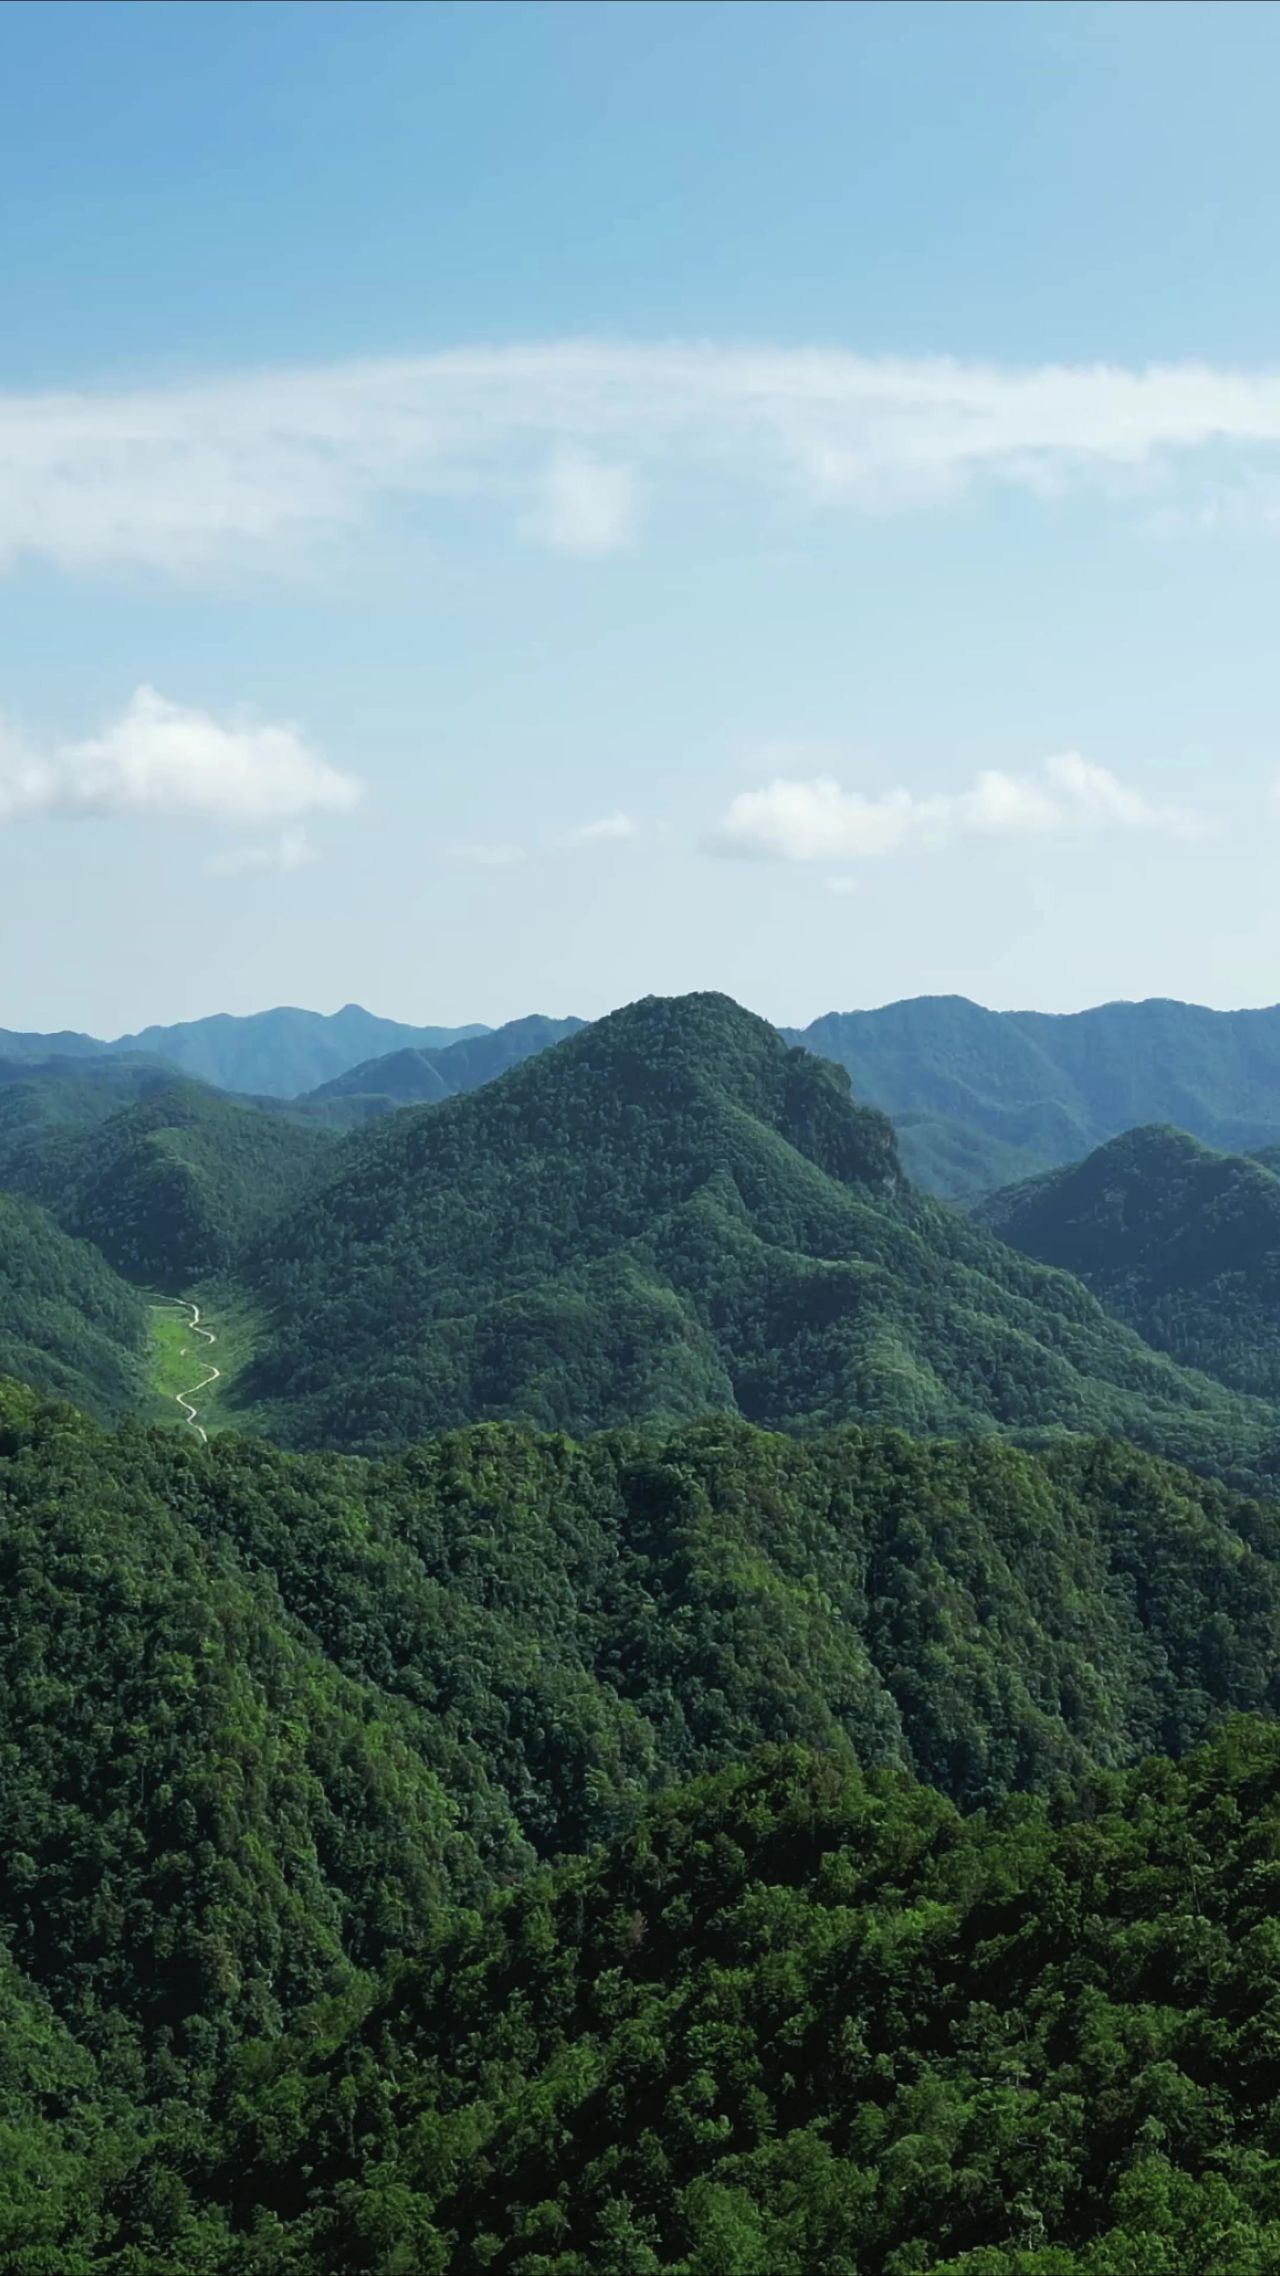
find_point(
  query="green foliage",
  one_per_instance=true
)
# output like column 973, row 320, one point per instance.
column 799, row 2018
column 1181, row 1243
column 672, row 1213
column 67, row 1324
column 285, row 1992
column 204, row 1822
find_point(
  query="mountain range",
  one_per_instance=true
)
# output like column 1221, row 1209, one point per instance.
column 624, row 1751
column 278, row 1053
column 980, row 1099
column 668, row 1213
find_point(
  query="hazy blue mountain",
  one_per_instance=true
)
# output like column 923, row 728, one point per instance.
column 954, row 1161
column 415, row 1077
column 1056, row 1085
column 278, row 1053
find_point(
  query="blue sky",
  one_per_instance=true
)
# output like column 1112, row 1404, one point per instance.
column 513, row 508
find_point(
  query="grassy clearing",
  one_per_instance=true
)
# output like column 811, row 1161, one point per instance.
column 178, row 1358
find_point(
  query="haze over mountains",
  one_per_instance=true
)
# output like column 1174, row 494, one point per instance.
column 980, row 1098
column 278, row 1053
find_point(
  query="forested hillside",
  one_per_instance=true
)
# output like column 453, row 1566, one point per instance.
column 672, row 1214
column 804, row 2020
column 1181, row 1242
column 68, row 1325
column 285, row 1992
column 170, row 1185
column 1054, row 1085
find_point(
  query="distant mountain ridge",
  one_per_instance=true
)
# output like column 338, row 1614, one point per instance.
column 278, row 1053
column 1057, row 1084
column 415, row 1077
column 980, row 1097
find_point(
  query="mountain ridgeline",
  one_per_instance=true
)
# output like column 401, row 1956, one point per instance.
column 414, row 1077
column 277, row 1053
column 1055, row 1085
column 670, row 1214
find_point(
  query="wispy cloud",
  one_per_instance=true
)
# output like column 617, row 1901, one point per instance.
column 163, row 761
column 558, row 438
column 818, row 820
column 288, row 853
column 587, row 506
column 611, row 829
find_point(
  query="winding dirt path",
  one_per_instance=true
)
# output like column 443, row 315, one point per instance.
column 184, row 1398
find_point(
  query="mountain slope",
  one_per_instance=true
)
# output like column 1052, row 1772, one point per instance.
column 67, row 1324
column 1182, row 1243
column 670, row 1214
column 416, row 1077
column 1055, row 1085
column 169, row 1185
column 807, row 2020
column 283, row 1992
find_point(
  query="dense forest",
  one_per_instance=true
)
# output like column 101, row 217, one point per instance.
column 578, row 1829
column 670, row 1214
column 299, row 1980
column 68, row 1325
column 167, row 1178
column 1181, row 1242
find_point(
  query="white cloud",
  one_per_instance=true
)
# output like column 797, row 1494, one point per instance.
column 817, row 820
column 490, row 856
column 261, row 464
column 611, row 829
column 163, row 761
column 291, row 851
column 587, row 506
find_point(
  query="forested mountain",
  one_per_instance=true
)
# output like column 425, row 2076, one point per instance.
column 671, row 1214
column 981, row 1096
column 67, row 1324
column 416, row 1077
column 277, row 1053
column 1057, row 1085
column 272, row 1724
column 169, row 1185
column 1181, row 1242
